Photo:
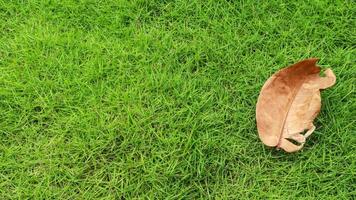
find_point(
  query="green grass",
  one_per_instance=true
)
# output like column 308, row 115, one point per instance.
column 156, row 99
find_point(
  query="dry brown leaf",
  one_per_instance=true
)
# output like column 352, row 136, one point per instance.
column 288, row 103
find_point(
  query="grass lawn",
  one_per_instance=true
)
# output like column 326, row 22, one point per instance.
column 156, row 99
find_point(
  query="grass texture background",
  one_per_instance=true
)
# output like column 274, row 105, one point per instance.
column 156, row 99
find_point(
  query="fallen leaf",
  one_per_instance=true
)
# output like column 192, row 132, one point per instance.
column 289, row 102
